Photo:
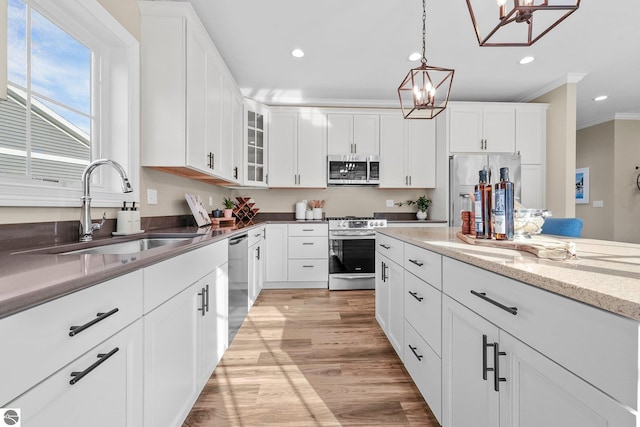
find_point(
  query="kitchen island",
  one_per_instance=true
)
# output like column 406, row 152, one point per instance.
column 499, row 337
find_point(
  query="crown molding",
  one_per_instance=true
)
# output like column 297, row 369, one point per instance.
column 568, row 78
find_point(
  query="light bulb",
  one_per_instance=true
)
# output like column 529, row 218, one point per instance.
column 501, row 2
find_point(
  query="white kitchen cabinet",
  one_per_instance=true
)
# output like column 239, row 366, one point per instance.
column 108, row 395
column 407, row 152
column 297, row 255
column 353, row 134
column 390, row 301
column 276, row 257
column 478, row 128
column 187, row 95
column 256, row 263
column 238, row 138
column 185, row 330
column 531, row 145
column 255, row 137
column 43, row 341
column 297, row 149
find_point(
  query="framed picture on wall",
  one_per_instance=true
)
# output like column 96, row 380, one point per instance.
column 582, row 186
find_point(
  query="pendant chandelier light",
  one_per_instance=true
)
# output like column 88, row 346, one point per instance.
column 515, row 25
column 424, row 92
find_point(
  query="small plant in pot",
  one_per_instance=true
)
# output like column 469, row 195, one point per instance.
column 228, row 207
column 423, row 203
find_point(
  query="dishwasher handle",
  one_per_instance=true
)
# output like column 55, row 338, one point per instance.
column 238, row 239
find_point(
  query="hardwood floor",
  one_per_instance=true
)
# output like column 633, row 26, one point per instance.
column 311, row 358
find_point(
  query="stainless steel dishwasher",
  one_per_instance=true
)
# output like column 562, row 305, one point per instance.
column 238, row 282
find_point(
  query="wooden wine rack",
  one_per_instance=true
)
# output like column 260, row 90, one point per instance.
column 244, row 211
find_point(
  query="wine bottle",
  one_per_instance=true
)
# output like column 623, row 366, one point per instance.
column 483, row 207
column 504, row 207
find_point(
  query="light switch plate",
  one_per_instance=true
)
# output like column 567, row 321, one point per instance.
column 598, row 203
column 152, row 196
column 389, row 203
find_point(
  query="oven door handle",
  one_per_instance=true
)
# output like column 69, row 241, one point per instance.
column 352, row 236
column 364, row 276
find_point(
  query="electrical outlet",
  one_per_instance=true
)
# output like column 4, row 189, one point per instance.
column 152, row 196
column 389, row 203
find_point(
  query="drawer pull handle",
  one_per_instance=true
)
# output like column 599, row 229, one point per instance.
column 102, row 357
column 307, row 266
column 385, row 246
column 416, row 262
column 512, row 310
column 307, row 243
column 415, row 353
column 257, row 235
column 307, row 229
column 75, row 330
column 415, row 295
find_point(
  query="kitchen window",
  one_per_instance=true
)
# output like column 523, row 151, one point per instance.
column 72, row 97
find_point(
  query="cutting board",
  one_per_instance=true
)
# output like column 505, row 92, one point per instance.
column 540, row 246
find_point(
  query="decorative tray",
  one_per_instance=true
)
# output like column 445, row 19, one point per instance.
column 540, row 246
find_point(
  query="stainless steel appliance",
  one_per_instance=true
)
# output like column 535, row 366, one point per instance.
column 238, row 282
column 352, row 252
column 353, row 170
column 463, row 176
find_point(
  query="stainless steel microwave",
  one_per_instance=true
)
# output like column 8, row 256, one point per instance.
column 353, row 169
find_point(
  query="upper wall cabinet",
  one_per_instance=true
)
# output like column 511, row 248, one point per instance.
column 255, row 154
column 353, row 134
column 297, row 149
column 188, row 96
column 477, row 128
column 407, row 152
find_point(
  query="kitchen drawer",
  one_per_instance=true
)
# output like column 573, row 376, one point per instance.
column 38, row 342
column 255, row 235
column 109, row 395
column 592, row 343
column 308, row 270
column 308, row 247
column 308, row 230
column 425, row 368
column 168, row 278
column 423, row 263
column 423, row 309
column 390, row 247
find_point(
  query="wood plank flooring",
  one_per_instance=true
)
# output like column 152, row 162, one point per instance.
column 311, row 358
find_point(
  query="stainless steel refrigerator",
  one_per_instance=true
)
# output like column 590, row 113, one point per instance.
column 463, row 176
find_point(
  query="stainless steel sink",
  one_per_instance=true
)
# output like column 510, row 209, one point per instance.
column 130, row 247
column 118, row 247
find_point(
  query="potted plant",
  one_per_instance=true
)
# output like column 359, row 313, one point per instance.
column 228, row 207
column 423, row 203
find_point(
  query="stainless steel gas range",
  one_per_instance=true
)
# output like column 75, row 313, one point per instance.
column 352, row 252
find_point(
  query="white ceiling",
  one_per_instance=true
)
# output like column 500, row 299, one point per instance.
column 356, row 52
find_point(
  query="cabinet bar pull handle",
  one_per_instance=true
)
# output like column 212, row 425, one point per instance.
column 307, row 229
column 307, row 243
column 485, row 369
column 512, row 310
column 415, row 295
column 102, row 357
column 416, row 262
column 75, row 330
column 207, row 291
column 496, row 363
column 235, row 172
column 202, row 296
column 385, row 246
column 257, row 235
column 413, row 349
column 307, row 266
column 258, row 252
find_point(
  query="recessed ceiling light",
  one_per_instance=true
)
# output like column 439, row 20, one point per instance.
column 600, row 98
column 297, row 53
column 415, row 56
column 527, row 60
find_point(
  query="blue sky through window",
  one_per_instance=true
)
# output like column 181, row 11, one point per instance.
column 60, row 65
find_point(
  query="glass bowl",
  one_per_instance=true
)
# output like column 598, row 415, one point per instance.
column 529, row 222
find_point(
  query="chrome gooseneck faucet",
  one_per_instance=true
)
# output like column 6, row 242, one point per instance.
column 86, row 226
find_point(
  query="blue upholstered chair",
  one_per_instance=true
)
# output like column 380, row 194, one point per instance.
column 571, row 227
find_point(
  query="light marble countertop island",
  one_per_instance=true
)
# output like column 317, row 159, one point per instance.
column 603, row 274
